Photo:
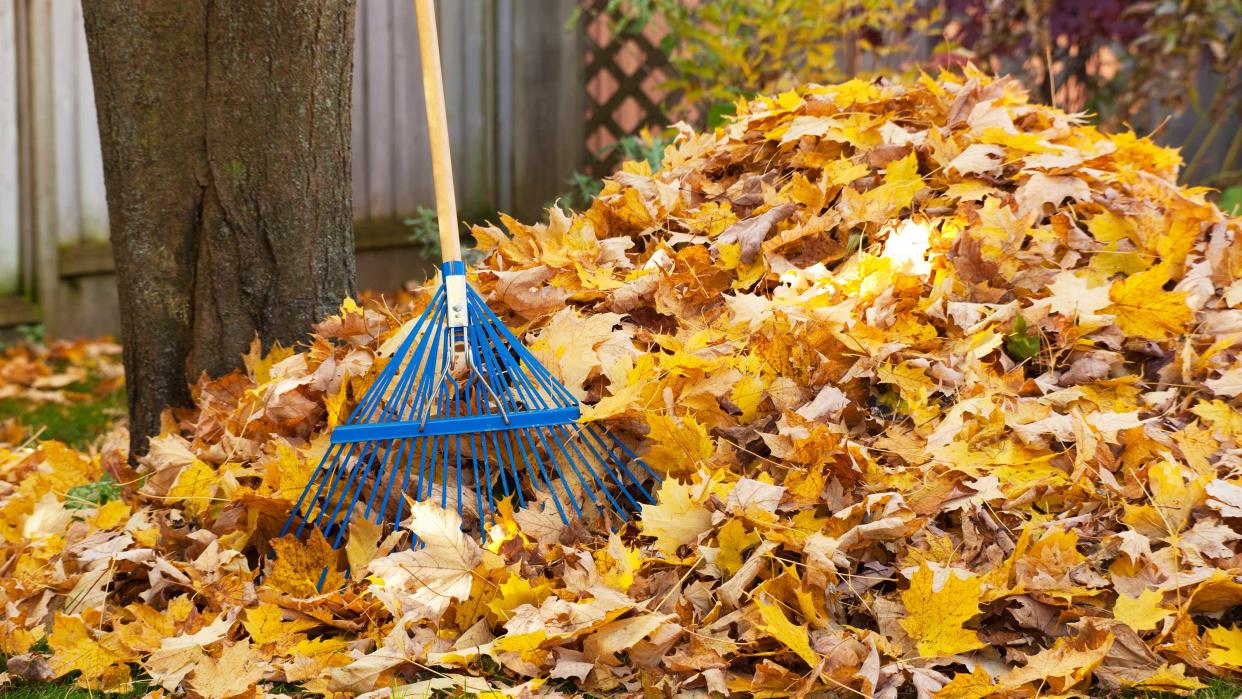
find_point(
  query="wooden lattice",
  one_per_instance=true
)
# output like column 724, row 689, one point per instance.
column 623, row 77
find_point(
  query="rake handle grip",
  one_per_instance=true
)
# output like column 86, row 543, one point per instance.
column 437, row 128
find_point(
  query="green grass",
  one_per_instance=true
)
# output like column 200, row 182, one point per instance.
column 77, row 423
column 1216, row 689
column 63, row 691
column 1231, row 200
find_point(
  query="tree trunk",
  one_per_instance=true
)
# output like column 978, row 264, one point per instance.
column 225, row 130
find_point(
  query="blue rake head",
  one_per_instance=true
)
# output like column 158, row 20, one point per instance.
column 463, row 413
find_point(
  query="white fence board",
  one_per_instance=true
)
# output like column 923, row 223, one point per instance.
column 92, row 198
column 10, row 232
column 42, row 146
column 63, row 119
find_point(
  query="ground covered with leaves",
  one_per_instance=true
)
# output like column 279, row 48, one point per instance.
column 945, row 385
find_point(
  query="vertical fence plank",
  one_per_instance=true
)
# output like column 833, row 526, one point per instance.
column 377, row 15
column 358, row 119
column 504, row 28
column 63, row 120
column 548, row 105
column 409, row 140
column 42, row 149
column 468, row 60
column 25, row 159
column 10, row 235
column 94, row 204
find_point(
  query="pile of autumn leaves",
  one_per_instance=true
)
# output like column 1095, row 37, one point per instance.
column 945, row 385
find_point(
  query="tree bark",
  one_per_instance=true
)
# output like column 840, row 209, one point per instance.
column 225, row 131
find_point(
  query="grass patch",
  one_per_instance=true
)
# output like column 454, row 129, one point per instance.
column 1231, row 200
column 45, row 691
column 1216, row 689
column 65, row 691
column 78, row 422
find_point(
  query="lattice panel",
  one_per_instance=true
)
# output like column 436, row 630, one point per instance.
column 623, row 77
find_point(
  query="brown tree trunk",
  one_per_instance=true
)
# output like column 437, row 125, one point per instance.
column 225, row 128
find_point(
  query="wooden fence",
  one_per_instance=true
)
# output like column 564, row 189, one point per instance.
column 515, row 101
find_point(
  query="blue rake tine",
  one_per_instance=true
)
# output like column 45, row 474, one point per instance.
column 610, row 473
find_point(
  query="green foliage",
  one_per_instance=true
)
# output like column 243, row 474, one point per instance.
column 77, row 424
column 1231, row 201
column 32, row 334
column 582, row 189
column 643, row 146
column 1022, row 343
column 425, row 232
column 726, row 49
column 81, row 497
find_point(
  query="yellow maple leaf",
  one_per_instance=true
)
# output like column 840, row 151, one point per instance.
column 972, row 685
column 1226, row 643
column 364, row 537
column 112, row 514
column 678, row 444
column 335, row 403
column 677, row 520
column 526, row 645
column 287, row 472
column 259, row 365
column 68, row 467
column 513, row 593
column 1142, row 613
column 623, row 398
column 1069, row 662
column 234, row 673
column 195, row 486
column 734, row 540
column 1173, row 498
column 633, row 210
column 619, row 563
column 1144, row 309
column 778, row 626
column 936, row 618
column 1169, row 678
column 1226, row 423
column 901, row 182
column 73, row 648
column 265, row 624
column 747, row 394
column 299, row 566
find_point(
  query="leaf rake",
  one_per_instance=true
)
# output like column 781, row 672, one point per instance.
column 463, row 411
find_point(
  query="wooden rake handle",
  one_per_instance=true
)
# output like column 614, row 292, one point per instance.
column 437, row 128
